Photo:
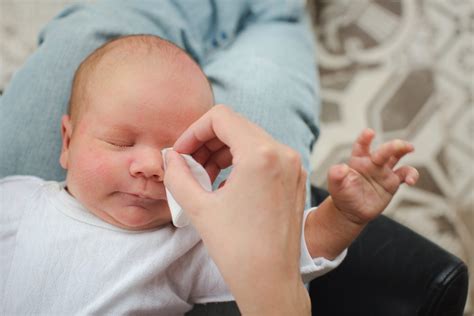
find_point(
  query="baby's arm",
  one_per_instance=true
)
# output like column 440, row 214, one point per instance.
column 359, row 192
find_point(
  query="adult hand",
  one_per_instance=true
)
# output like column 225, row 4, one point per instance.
column 251, row 226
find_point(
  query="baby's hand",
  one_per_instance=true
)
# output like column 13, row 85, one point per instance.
column 362, row 189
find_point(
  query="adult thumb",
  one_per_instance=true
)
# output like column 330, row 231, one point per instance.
column 180, row 181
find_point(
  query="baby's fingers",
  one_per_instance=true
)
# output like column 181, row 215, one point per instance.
column 390, row 153
column 407, row 174
column 361, row 146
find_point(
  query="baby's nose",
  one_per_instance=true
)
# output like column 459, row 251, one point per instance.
column 148, row 164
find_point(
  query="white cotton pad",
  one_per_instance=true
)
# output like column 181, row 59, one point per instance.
column 178, row 215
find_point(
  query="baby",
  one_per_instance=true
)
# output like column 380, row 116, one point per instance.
column 131, row 99
column 102, row 242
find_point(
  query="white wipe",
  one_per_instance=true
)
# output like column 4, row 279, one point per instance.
column 178, row 215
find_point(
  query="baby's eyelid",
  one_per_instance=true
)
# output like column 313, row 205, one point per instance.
column 124, row 145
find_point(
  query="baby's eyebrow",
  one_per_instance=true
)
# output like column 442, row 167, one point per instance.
column 119, row 128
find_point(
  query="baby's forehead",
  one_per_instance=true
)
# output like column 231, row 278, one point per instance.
column 148, row 50
column 137, row 55
column 140, row 56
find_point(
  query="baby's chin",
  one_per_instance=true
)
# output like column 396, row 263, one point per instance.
column 137, row 218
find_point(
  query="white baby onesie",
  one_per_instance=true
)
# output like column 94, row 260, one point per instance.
column 57, row 258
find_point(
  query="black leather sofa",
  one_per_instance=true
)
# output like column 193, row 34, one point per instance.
column 389, row 271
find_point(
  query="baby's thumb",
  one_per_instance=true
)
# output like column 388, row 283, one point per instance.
column 181, row 183
column 336, row 176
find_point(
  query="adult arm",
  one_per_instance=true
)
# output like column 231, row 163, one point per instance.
column 252, row 225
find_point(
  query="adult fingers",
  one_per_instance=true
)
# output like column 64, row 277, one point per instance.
column 213, row 162
column 214, row 144
column 301, row 193
column 201, row 155
column 222, row 123
column 217, row 162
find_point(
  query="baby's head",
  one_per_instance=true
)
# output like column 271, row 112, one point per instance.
column 130, row 99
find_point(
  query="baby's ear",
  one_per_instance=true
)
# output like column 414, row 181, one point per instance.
column 66, row 132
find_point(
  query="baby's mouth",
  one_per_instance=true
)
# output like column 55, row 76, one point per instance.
column 140, row 197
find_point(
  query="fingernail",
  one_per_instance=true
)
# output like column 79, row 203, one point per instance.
column 344, row 169
column 399, row 144
column 411, row 180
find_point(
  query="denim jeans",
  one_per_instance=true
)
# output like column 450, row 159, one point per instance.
column 259, row 57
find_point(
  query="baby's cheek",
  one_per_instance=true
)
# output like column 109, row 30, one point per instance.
column 96, row 168
column 108, row 165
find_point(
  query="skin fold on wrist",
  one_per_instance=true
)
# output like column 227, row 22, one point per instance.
column 328, row 232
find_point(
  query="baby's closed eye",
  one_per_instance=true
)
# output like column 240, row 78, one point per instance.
column 119, row 143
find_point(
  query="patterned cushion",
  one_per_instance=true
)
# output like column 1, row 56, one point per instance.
column 405, row 69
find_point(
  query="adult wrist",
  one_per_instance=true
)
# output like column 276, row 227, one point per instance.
column 285, row 301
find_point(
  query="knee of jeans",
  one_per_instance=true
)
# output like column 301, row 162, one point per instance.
column 277, row 99
column 261, row 84
column 75, row 33
column 280, row 10
column 83, row 26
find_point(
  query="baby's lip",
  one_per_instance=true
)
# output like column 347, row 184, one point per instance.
column 145, row 196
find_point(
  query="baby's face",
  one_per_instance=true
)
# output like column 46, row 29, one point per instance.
column 113, row 153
